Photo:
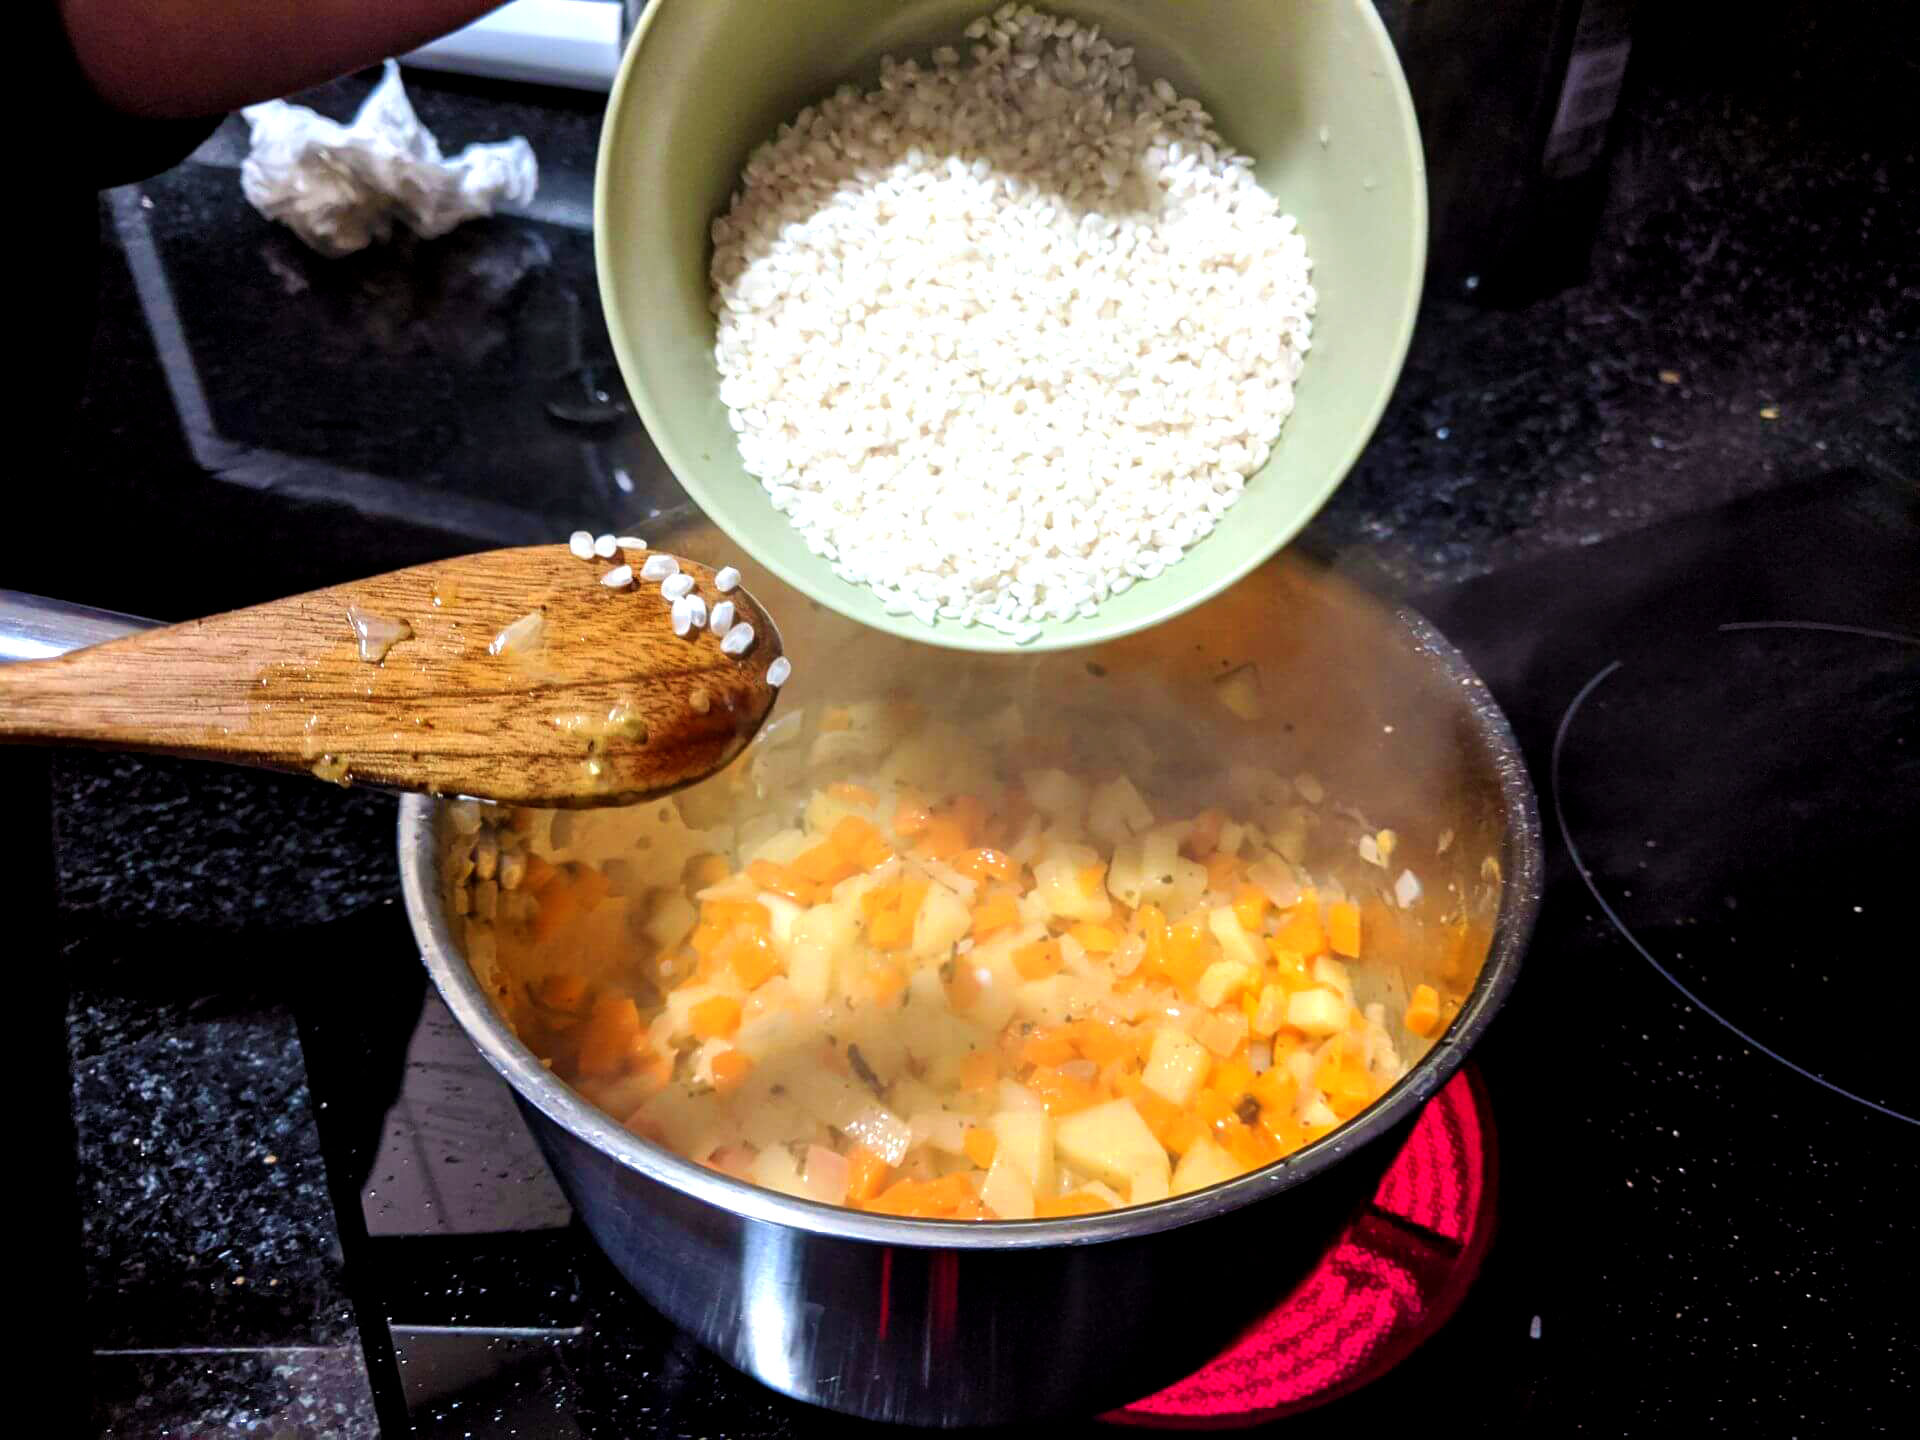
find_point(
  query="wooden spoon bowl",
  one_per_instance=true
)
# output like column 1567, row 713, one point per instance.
column 595, row 702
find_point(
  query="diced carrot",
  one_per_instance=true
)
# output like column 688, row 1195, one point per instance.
column 850, row 794
column 913, row 890
column 824, row 866
column 987, row 864
column 1231, row 1079
column 949, row 1198
column 714, row 1017
column 1250, row 908
column 567, row 990
column 889, row 930
column 1211, row 1109
column 1089, row 877
column 730, row 1068
column 1274, row 1090
column 1061, row 1094
column 860, row 842
column 1188, row 1127
column 1204, row 837
column 1100, row 1042
column 970, row 814
column 1343, row 928
column 866, row 1175
column 911, row 819
column 1250, row 1145
column 996, row 912
column 1038, row 960
column 612, row 1037
column 979, row 1070
column 1047, row 1047
column 1223, row 873
column 1057, row 1207
column 1186, row 952
column 782, row 880
column 1423, row 1010
column 1300, row 930
column 558, row 904
column 963, row 988
column 1096, row 939
column 752, row 957
column 737, row 914
column 590, row 887
column 539, row 875
column 980, row 1146
column 702, row 871
column 887, row 982
column 942, row 838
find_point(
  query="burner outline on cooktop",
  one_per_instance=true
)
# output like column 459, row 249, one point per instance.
column 1613, row 917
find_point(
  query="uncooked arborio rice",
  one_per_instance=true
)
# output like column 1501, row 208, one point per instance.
column 1008, row 334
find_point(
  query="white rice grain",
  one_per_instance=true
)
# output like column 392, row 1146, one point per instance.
column 676, row 585
column 722, row 620
column 779, row 672
column 725, row 579
column 618, row 577
column 738, row 640
column 581, row 544
column 682, row 616
column 659, row 567
column 605, row 546
column 999, row 389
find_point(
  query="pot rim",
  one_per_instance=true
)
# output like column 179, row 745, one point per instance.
column 1522, row 863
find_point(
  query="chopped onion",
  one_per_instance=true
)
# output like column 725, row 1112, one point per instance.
column 825, row 1176
column 1276, row 881
column 1407, row 889
column 1260, row 1056
column 1126, row 960
column 882, row 1132
column 523, row 634
column 377, row 634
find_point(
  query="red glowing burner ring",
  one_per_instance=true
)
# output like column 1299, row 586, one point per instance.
column 1389, row 1282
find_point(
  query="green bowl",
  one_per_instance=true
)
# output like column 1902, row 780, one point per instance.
column 1310, row 88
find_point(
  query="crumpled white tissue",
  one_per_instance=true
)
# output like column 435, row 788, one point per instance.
column 341, row 187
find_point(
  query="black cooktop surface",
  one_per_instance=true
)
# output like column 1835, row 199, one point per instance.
column 1696, row 1125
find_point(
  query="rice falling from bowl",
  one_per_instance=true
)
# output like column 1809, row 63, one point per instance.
column 1010, row 333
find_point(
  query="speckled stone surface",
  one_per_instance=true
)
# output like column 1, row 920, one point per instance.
column 1752, row 317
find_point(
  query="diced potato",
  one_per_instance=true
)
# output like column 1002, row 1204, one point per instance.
column 776, row 1169
column 1317, row 1011
column 1116, row 811
column 1149, row 869
column 769, row 1034
column 1239, row 691
column 1205, row 1163
column 942, row 921
column 783, row 847
column 1112, row 1142
column 782, row 915
column 1012, row 1095
column 1318, row 1112
column 833, row 927
column 1146, row 1186
column 1331, row 973
column 1235, row 943
column 1271, row 1012
column 1175, row 1066
column 1222, row 980
column 1007, row 1191
column 1025, row 1139
column 671, row 919
column 1054, row 1000
column 810, row 971
column 943, row 1129
column 1056, row 881
column 1057, row 795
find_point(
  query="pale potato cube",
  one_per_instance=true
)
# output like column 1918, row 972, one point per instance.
column 1318, row 1112
column 1271, row 1013
column 671, row 920
column 810, row 971
column 1025, row 1139
column 1176, row 1065
column 1116, row 811
column 776, row 1169
column 1056, row 882
column 782, row 916
column 1146, row 1186
column 1222, row 980
column 943, row 1129
column 1235, row 943
column 1007, row 1191
column 942, row 921
column 1331, row 973
column 1205, row 1163
column 1112, row 1142
column 1056, row 795
column 1317, row 1011
column 783, row 847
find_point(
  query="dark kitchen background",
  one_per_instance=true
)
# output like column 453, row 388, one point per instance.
column 1668, row 367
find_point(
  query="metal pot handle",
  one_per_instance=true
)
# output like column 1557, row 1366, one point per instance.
column 35, row 628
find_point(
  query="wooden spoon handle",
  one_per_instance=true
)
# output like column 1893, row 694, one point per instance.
column 607, row 705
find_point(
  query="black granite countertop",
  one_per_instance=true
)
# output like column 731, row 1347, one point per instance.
column 258, row 421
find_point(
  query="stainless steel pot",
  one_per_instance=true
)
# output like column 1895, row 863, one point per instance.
column 952, row 1323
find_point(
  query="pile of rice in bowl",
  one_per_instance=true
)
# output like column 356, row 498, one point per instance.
column 1010, row 332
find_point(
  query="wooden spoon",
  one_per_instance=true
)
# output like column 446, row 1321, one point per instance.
column 601, row 705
